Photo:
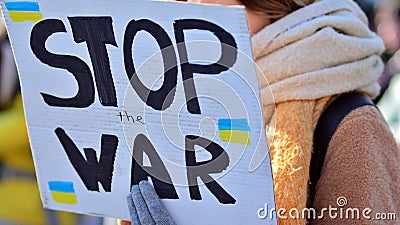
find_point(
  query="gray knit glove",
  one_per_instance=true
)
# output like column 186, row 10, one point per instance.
column 146, row 208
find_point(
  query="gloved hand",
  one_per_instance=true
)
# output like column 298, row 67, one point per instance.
column 146, row 208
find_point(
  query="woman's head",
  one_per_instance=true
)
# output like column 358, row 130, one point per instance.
column 275, row 9
column 262, row 12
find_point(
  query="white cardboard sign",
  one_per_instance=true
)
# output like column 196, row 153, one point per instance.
column 120, row 91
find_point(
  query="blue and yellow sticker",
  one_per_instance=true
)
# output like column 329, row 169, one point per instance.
column 63, row 192
column 234, row 131
column 24, row 11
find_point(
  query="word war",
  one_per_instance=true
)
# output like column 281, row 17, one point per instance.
column 93, row 171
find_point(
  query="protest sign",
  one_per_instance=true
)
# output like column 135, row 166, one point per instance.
column 116, row 92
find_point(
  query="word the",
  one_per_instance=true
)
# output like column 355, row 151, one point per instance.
column 129, row 118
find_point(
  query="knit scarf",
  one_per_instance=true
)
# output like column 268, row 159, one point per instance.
column 304, row 60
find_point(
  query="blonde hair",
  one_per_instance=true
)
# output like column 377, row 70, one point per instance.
column 276, row 9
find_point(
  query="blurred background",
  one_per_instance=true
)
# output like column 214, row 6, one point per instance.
column 384, row 18
column 20, row 202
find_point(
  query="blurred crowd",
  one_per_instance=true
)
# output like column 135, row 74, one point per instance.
column 386, row 21
column 19, row 195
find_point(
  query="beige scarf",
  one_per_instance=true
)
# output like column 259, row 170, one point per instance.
column 304, row 59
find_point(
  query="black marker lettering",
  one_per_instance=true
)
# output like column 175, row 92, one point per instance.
column 92, row 171
column 85, row 95
column 159, row 175
column 162, row 98
column 97, row 32
column 218, row 163
column 227, row 59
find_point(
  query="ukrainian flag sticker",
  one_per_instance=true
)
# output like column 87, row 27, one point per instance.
column 63, row 192
column 234, row 131
column 24, row 11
